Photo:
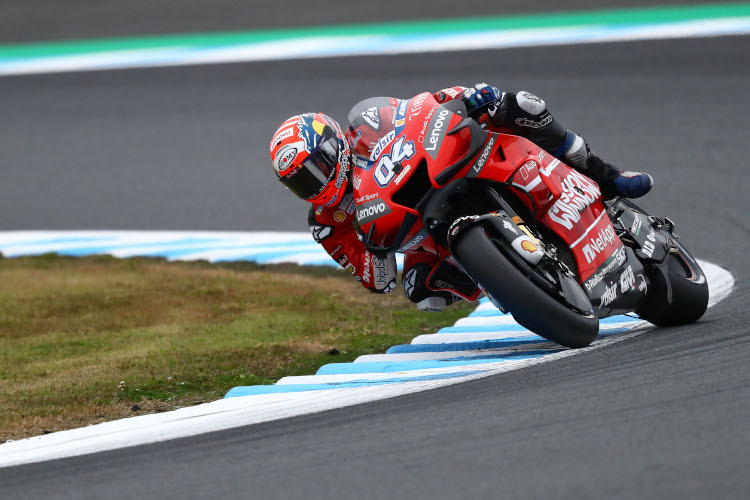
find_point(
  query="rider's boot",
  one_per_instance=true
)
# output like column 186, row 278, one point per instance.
column 612, row 181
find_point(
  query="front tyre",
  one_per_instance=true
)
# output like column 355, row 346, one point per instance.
column 531, row 306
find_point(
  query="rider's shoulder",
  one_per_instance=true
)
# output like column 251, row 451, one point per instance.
column 341, row 213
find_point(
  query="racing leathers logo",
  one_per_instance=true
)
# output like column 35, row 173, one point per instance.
column 320, row 232
column 577, row 194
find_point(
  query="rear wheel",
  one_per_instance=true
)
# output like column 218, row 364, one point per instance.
column 484, row 260
column 689, row 292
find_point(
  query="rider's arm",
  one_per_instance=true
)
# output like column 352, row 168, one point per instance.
column 525, row 114
column 332, row 228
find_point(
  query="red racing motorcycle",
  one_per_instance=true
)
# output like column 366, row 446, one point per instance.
column 511, row 220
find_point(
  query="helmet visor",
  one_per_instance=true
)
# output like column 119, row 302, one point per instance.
column 313, row 175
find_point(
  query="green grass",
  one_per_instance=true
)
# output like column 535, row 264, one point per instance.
column 84, row 340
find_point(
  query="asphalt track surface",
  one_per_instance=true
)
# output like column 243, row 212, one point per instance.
column 664, row 415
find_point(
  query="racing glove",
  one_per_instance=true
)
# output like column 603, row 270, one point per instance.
column 480, row 98
column 383, row 272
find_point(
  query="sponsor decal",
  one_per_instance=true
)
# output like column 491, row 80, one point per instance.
column 400, row 122
column 416, row 105
column 648, row 246
column 371, row 210
column 356, row 181
column 453, row 93
column 382, row 143
column 346, row 201
column 401, row 176
column 319, row 210
column 437, row 130
column 578, row 193
column 541, row 156
column 382, row 273
column 453, row 229
column 284, row 158
column 333, row 201
column 510, row 227
column 635, row 229
column 385, row 170
column 339, row 216
column 370, row 115
column 402, row 108
column 479, row 164
column 362, row 163
column 627, row 280
column 366, row 276
column 416, row 240
column 609, row 295
column 341, row 176
column 527, row 168
column 598, row 244
column 642, row 286
column 283, row 134
column 528, row 246
column 611, row 264
column 442, row 284
column 319, row 233
column 525, row 122
column 344, row 262
column 366, row 197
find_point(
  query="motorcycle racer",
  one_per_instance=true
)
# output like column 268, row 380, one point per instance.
column 316, row 160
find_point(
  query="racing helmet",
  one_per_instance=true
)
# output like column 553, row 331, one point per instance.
column 311, row 157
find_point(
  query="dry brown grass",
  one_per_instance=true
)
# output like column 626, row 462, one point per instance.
column 93, row 339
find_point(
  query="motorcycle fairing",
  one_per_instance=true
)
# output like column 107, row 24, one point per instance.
column 440, row 140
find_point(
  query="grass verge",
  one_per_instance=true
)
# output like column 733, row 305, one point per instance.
column 85, row 340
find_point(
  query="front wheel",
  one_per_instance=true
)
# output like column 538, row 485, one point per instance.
column 531, row 306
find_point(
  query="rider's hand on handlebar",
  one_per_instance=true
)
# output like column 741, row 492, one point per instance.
column 480, row 97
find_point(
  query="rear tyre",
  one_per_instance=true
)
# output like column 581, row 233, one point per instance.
column 689, row 292
column 531, row 306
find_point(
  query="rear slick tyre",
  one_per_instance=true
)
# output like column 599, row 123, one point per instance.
column 532, row 307
column 689, row 292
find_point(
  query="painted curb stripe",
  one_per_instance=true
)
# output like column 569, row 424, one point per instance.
column 255, row 390
column 455, row 354
column 490, row 32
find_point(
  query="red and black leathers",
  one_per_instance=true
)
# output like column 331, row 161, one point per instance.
column 521, row 114
column 333, row 228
